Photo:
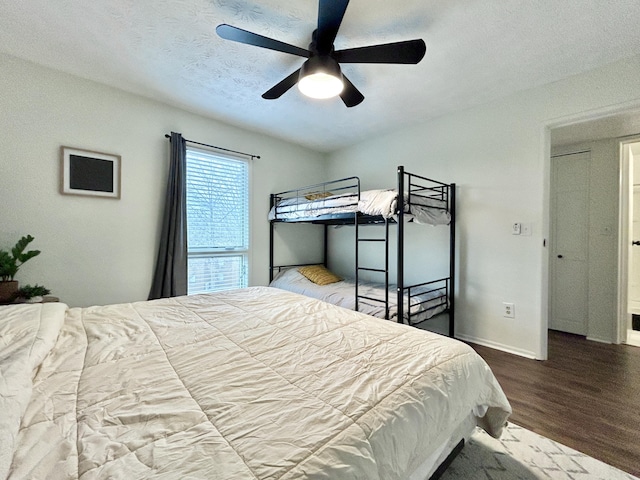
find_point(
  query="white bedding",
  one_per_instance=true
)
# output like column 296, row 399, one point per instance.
column 247, row 384
column 383, row 203
column 423, row 305
column 27, row 334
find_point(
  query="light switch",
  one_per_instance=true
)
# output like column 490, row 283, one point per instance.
column 516, row 228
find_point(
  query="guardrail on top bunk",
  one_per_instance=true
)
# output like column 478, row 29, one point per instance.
column 347, row 189
column 437, row 191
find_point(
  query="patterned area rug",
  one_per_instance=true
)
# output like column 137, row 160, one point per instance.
column 521, row 454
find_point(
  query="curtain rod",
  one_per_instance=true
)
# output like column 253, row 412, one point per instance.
column 218, row 148
column 570, row 153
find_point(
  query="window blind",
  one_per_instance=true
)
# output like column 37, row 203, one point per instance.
column 211, row 273
column 217, row 221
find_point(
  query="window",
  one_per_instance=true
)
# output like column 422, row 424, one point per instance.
column 217, row 221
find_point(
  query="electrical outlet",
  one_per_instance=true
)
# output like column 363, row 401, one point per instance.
column 509, row 310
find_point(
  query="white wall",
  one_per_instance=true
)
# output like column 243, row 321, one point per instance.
column 498, row 154
column 94, row 250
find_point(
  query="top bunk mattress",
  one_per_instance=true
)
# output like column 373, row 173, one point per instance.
column 418, row 208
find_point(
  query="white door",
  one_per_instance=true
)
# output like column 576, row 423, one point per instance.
column 634, row 270
column 569, row 292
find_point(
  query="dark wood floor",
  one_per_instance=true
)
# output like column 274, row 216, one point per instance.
column 586, row 396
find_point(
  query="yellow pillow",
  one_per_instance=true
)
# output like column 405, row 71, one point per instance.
column 319, row 275
column 317, row 195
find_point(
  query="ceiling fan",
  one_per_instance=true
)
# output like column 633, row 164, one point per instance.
column 320, row 75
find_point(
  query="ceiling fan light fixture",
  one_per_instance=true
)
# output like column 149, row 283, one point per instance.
column 320, row 77
column 320, row 85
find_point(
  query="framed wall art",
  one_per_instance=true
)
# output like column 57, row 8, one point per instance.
column 90, row 173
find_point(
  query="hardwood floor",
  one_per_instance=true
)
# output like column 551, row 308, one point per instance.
column 586, row 396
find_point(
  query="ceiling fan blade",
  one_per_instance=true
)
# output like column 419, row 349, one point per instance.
column 409, row 51
column 236, row 34
column 279, row 88
column 350, row 95
column 330, row 14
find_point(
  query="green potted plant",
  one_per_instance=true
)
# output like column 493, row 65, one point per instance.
column 32, row 294
column 10, row 263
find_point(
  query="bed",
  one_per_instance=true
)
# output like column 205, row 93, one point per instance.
column 256, row 383
column 343, row 202
column 376, row 299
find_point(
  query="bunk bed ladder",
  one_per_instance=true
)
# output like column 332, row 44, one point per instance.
column 384, row 270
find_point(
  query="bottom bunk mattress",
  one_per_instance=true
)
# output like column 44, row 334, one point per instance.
column 423, row 305
column 256, row 383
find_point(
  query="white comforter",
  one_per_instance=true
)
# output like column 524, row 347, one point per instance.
column 247, row 384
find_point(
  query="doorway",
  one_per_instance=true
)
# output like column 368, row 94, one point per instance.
column 629, row 309
column 609, row 319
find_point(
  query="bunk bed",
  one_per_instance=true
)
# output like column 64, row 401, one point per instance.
column 342, row 202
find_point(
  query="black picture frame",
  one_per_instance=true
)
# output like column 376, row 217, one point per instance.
column 89, row 173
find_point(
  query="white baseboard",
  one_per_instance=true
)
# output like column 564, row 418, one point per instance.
column 496, row 346
column 599, row 340
column 633, row 338
column 634, row 307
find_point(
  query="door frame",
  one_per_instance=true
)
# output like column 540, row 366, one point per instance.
column 624, row 236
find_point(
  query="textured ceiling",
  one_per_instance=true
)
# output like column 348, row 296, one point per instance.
column 477, row 51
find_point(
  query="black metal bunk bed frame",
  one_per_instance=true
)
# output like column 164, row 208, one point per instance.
column 405, row 181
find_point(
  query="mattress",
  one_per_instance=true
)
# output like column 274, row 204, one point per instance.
column 256, row 383
column 426, row 302
column 419, row 209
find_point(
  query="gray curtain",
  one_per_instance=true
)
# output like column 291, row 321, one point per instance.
column 170, row 277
